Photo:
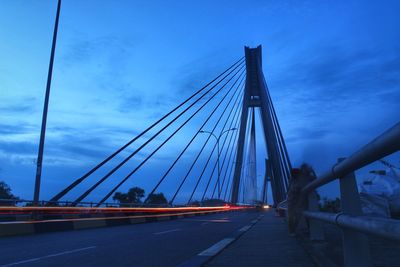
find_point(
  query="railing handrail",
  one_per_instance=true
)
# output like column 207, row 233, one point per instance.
column 382, row 227
column 384, row 145
column 283, row 205
column 355, row 243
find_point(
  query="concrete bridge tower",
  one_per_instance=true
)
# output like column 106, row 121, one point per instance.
column 256, row 95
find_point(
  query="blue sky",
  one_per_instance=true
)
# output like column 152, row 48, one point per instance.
column 332, row 67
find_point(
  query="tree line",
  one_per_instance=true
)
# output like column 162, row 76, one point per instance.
column 134, row 196
column 6, row 195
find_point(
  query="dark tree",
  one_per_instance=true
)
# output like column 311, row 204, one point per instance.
column 157, row 199
column 134, row 196
column 5, row 193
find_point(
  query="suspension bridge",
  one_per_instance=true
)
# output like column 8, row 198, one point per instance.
column 218, row 213
column 219, row 165
column 223, row 168
column 230, row 102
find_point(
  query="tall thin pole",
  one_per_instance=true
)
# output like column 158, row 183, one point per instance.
column 219, row 170
column 45, row 108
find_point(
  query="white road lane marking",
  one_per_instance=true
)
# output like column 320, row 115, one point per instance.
column 217, row 247
column 216, row 220
column 47, row 256
column 245, row 228
column 164, row 232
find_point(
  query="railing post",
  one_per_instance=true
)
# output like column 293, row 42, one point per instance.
column 355, row 244
column 316, row 227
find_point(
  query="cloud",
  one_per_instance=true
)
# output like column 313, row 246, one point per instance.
column 6, row 129
column 335, row 99
column 17, row 108
column 20, row 148
column 304, row 134
column 333, row 85
column 23, row 105
column 132, row 102
column 106, row 48
column 68, row 146
column 333, row 73
column 198, row 72
column 63, row 145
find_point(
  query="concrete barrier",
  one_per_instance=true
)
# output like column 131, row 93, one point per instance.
column 84, row 224
column 16, row 229
column 66, row 224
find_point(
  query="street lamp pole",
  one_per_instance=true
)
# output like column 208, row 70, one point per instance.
column 219, row 153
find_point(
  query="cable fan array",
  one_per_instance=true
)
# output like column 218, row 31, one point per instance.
column 215, row 107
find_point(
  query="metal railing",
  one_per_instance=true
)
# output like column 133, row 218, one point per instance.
column 44, row 203
column 354, row 224
column 16, row 202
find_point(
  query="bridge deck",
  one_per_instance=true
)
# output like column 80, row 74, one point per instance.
column 167, row 243
column 267, row 243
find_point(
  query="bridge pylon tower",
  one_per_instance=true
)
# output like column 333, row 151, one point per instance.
column 256, row 95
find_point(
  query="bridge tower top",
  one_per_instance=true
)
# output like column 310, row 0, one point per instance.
column 253, row 68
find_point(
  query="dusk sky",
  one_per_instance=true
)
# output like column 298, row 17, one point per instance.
column 332, row 67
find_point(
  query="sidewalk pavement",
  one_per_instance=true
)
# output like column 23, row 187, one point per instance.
column 267, row 243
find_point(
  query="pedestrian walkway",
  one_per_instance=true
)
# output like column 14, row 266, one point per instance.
column 267, row 243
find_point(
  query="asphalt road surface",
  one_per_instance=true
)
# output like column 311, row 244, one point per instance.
column 168, row 243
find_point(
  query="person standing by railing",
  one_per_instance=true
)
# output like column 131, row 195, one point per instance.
column 296, row 203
